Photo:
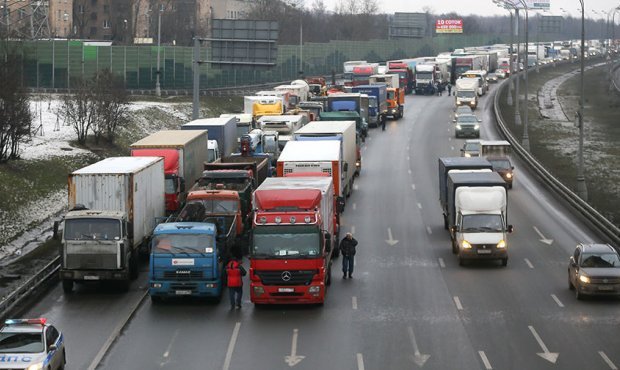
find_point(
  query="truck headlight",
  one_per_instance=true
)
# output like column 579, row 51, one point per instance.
column 458, row 127
column 155, row 285
column 465, row 244
column 477, row 127
column 258, row 290
column 584, row 279
column 314, row 289
column 472, row 103
column 38, row 366
column 211, row 285
column 501, row 244
column 467, row 155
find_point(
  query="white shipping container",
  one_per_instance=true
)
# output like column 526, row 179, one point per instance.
column 133, row 185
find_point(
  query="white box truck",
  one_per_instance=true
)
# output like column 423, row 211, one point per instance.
column 285, row 125
column 467, row 92
column 342, row 131
column 113, row 206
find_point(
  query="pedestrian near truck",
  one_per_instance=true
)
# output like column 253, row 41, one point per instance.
column 347, row 248
column 449, row 89
column 234, row 280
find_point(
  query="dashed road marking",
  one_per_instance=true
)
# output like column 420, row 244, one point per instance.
column 485, row 360
column 174, row 337
column 355, row 187
column 442, row 264
column 428, row 230
column 419, row 205
column 231, row 346
column 529, row 264
column 413, row 186
column 354, row 302
column 557, row 300
column 452, row 148
column 352, row 229
column 607, row 360
column 354, row 206
column 458, row 304
column 409, row 171
column 360, row 361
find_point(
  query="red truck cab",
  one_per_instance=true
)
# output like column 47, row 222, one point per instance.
column 405, row 74
column 174, row 185
column 293, row 235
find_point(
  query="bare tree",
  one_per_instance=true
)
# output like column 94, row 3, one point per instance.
column 112, row 105
column 79, row 109
column 15, row 115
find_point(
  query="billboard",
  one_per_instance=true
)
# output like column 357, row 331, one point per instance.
column 532, row 4
column 407, row 25
column 244, row 43
column 449, row 26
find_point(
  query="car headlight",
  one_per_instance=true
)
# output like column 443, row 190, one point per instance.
column 458, row 127
column 472, row 103
column 584, row 279
column 38, row 366
column 465, row 244
column 501, row 244
column 477, row 127
column 467, row 155
column 509, row 175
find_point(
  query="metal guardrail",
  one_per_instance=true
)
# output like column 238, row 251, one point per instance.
column 8, row 303
column 613, row 74
column 592, row 215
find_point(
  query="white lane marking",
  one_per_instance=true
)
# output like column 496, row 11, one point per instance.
column 549, row 356
column 360, row 361
column 529, row 264
column 428, row 230
column 354, row 302
column 354, row 206
column 442, row 264
column 391, row 241
column 607, row 360
column 352, row 229
column 231, row 346
column 293, row 359
column 485, row 360
column 409, row 171
column 408, row 159
column 355, row 187
column 542, row 237
column 418, row 358
column 413, row 186
column 557, row 300
column 452, row 148
column 174, row 337
column 365, row 147
column 458, row 304
column 419, row 205
column 408, row 147
column 449, row 139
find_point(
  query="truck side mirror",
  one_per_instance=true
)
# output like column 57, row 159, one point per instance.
column 454, row 229
column 340, row 204
column 510, row 228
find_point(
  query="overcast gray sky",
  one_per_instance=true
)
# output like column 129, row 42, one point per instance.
column 486, row 7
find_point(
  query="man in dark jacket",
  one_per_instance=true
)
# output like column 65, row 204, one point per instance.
column 347, row 248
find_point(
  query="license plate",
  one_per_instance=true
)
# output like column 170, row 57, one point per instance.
column 604, row 287
column 286, row 290
column 91, row 277
column 183, row 292
column 484, row 251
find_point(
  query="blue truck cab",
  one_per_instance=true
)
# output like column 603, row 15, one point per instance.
column 185, row 261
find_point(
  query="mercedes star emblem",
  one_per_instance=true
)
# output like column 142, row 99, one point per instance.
column 286, row 276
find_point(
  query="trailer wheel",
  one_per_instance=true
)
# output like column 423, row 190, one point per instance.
column 67, row 286
column 328, row 280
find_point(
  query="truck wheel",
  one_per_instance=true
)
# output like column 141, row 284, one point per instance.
column 445, row 222
column 67, row 286
column 461, row 261
column 402, row 112
column 504, row 262
column 328, row 281
column 156, row 299
column 123, row 285
column 578, row 295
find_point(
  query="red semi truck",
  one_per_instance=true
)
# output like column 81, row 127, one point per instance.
column 184, row 152
column 295, row 232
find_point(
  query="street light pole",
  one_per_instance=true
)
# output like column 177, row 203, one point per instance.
column 582, row 190
column 510, row 86
column 157, row 85
column 525, row 141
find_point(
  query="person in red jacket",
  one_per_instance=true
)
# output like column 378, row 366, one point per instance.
column 234, row 279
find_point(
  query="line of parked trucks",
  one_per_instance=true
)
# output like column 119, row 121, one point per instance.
column 270, row 183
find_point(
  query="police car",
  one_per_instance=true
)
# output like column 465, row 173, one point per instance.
column 31, row 344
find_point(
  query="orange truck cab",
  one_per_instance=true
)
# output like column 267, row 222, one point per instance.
column 396, row 102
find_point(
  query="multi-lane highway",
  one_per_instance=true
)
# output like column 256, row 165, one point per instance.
column 409, row 304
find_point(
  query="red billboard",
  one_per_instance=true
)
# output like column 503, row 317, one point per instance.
column 449, row 26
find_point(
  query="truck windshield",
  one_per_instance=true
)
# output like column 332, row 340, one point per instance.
column 183, row 243
column 500, row 164
column 482, row 223
column 21, row 343
column 92, row 228
column 390, row 95
column 466, row 94
column 197, row 210
column 170, row 185
column 424, row 76
column 343, row 105
column 286, row 241
column 372, row 102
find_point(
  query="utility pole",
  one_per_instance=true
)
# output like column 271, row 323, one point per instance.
column 157, row 85
column 525, row 141
column 582, row 190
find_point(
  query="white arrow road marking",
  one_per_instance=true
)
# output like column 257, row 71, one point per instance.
column 231, row 346
column 542, row 237
column 529, row 264
column 293, row 359
column 409, row 171
column 390, row 239
column 485, row 360
column 360, row 361
column 418, row 357
column 354, row 206
column 458, row 304
column 549, row 356
column 413, row 186
column 429, row 230
column 607, row 360
column 174, row 337
column 354, row 302
column 557, row 300
column 419, row 205
column 441, row 263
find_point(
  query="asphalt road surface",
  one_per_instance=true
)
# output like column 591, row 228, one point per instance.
column 409, row 304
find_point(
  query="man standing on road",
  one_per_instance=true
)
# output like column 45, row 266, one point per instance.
column 383, row 119
column 449, row 89
column 234, row 274
column 347, row 247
